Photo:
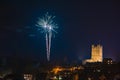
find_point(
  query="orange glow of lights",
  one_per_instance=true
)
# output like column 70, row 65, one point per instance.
column 56, row 70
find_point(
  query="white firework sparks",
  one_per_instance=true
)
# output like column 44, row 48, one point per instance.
column 48, row 25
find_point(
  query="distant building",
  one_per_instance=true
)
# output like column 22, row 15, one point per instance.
column 28, row 76
column 96, row 54
column 107, row 61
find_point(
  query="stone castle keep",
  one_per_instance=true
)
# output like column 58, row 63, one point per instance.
column 96, row 54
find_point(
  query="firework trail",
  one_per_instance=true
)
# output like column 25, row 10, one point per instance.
column 48, row 25
column 50, row 37
column 47, row 49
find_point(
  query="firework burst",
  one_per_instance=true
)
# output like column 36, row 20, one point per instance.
column 48, row 26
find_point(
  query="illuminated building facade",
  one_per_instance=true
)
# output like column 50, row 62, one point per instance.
column 96, row 54
column 107, row 61
column 28, row 76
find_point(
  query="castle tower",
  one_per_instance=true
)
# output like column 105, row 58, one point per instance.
column 96, row 53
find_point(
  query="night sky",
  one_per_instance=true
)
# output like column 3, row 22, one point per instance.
column 81, row 24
